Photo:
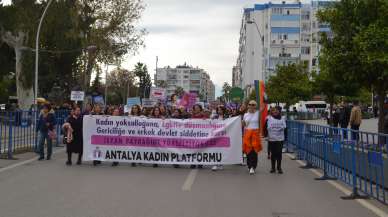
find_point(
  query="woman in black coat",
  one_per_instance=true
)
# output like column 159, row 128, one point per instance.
column 73, row 129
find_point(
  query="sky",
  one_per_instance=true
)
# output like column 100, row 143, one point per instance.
column 202, row 33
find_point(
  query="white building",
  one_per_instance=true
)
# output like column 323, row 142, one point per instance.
column 189, row 78
column 274, row 34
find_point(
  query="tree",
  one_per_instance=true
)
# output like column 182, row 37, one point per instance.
column 359, row 46
column 121, row 83
column 290, row 85
column 144, row 77
column 226, row 91
column 70, row 26
column 179, row 91
column 16, row 28
column 161, row 83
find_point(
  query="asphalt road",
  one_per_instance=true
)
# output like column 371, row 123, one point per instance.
column 49, row 188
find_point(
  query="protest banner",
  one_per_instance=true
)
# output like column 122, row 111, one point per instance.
column 188, row 100
column 169, row 141
column 133, row 101
column 148, row 103
column 158, row 93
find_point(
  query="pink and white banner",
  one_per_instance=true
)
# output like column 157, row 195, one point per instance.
column 169, row 141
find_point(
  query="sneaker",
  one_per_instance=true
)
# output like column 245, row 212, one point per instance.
column 214, row 168
column 280, row 171
column 68, row 163
column 41, row 158
column 114, row 164
column 192, row 167
column 154, row 165
column 272, row 171
column 48, row 158
column 251, row 171
column 200, row 166
column 79, row 162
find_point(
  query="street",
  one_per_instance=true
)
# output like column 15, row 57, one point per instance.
column 49, row 188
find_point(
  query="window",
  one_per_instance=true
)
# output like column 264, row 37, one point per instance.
column 305, row 50
column 277, row 10
column 288, row 12
column 314, row 62
column 285, row 36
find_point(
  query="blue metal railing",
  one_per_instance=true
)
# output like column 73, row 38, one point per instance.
column 18, row 132
column 354, row 157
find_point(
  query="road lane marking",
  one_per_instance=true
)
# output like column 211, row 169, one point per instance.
column 376, row 210
column 189, row 180
column 12, row 166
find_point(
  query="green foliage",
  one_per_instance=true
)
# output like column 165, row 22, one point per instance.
column 144, row 77
column 226, row 88
column 179, row 91
column 358, row 50
column 289, row 85
column 121, row 83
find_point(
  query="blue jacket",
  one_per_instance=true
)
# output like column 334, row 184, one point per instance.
column 41, row 125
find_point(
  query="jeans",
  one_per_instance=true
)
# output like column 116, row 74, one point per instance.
column 43, row 136
column 355, row 135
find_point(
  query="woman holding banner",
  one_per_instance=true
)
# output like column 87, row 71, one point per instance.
column 116, row 112
column 156, row 113
column 135, row 112
column 221, row 114
column 97, row 111
column 198, row 113
column 252, row 139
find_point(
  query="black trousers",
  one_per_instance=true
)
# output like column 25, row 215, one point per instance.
column 252, row 159
column 355, row 135
column 276, row 149
column 69, row 156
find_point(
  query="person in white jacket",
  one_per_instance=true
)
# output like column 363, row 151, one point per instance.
column 275, row 127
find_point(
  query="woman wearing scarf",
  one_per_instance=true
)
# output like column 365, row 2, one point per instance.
column 252, row 139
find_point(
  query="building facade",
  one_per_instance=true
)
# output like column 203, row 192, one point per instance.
column 275, row 34
column 189, row 78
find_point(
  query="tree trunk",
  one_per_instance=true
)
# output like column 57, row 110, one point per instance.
column 381, row 99
column 25, row 95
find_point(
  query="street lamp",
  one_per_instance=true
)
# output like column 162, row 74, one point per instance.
column 262, row 41
column 106, row 75
column 37, row 54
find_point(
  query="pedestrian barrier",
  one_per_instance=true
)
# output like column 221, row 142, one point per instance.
column 18, row 131
column 356, row 158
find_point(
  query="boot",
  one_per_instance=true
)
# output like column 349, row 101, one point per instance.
column 272, row 166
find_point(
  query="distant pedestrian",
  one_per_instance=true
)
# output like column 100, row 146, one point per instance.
column 45, row 126
column 355, row 120
column 135, row 112
column 73, row 134
column 252, row 139
column 336, row 116
column 275, row 132
column 198, row 113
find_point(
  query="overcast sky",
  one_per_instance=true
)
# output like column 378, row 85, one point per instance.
column 202, row 33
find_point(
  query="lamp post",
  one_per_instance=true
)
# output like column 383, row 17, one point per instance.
column 106, row 76
column 37, row 54
column 261, row 39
